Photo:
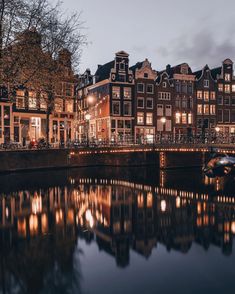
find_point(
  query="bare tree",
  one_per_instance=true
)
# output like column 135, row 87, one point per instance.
column 33, row 36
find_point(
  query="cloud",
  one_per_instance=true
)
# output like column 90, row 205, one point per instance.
column 200, row 48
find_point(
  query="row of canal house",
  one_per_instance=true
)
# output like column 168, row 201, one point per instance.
column 23, row 111
column 120, row 102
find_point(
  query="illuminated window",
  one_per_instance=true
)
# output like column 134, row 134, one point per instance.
column 190, row 118
column 233, row 88
column 127, row 93
column 59, row 105
column 206, row 83
column 149, row 119
column 206, row 109
column 206, row 95
column 184, row 118
column 199, row 94
column 140, row 102
column 227, row 77
column 177, row 118
column 199, row 109
column 227, row 88
column 221, row 87
column 116, row 92
column 212, row 95
column 69, row 106
column 212, row 109
column 140, row 118
column 32, row 100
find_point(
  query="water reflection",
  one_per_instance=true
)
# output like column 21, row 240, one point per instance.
column 42, row 225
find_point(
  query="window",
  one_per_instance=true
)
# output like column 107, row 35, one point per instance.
column 140, row 88
column 226, row 100
column 206, row 83
column 190, row 88
column 199, row 109
column 140, row 118
column 149, row 103
column 122, row 66
column 120, row 124
column 149, row 119
column 227, row 77
column 227, row 88
column 69, row 106
column 20, row 102
column 127, row 124
column 190, row 118
column 68, row 89
column 168, row 110
column 184, row 88
column 146, row 75
column 212, row 109
column 116, row 108
column 220, row 87
column 122, row 78
column 220, row 115
column 226, row 115
column 140, row 102
column 233, row 115
column 199, row 94
column 206, row 109
column 160, row 110
column 233, row 88
column 184, row 118
column 150, row 88
column 191, row 103
column 177, row 102
column 164, row 85
column 127, row 108
column 177, row 118
column 164, row 96
column 32, row 100
column 177, row 87
column 184, row 103
column 220, row 100
column 206, row 96
column 127, row 93
column 212, row 95
column 116, row 92
column 233, row 100
column 58, row 105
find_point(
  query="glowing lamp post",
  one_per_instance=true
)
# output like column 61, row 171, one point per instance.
column 87, row 118
column 217, row 130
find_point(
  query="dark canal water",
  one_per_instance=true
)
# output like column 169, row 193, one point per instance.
column 115, row 231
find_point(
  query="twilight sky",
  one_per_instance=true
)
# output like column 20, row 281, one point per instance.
column 172, row 31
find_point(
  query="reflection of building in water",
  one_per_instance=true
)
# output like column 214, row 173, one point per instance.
column 118, row 216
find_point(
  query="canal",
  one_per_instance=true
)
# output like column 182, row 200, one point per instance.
column 117, row 230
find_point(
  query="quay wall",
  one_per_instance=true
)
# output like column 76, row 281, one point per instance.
column 11, row 161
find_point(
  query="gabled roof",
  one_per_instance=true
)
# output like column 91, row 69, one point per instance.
column 138, row 65
column 215, row 72
column 103, row 71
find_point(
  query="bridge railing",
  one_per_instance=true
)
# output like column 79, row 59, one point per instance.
column 159, row 140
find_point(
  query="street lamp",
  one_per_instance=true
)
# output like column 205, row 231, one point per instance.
column 163, row 121
column 217, row 130
column 87, row 118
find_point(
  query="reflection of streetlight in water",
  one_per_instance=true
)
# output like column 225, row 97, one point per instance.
column 89, row 218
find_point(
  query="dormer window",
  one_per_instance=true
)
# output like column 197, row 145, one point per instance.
column 206, row 83
column 164, row 84
column 146, row 75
